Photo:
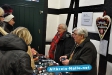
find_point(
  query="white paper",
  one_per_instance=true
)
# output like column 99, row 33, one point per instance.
column 109, row 68
column 96, row 43
column 110, row 44
column 103, row 47
column 92, row 28
column 87, row 18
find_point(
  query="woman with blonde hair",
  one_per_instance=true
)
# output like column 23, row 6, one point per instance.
column 1, row 20
column 1, row 14
column 13, row 53
column 3, row 32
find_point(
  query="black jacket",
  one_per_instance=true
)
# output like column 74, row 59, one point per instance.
column 64, row 46
column 8, row 28
column 85, row 53
column 13, row 57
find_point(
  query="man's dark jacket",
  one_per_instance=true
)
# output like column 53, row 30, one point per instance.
column 13, row 57
column 85, row 53
column 64, row 46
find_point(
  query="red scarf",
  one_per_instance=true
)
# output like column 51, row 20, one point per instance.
column 54, row 42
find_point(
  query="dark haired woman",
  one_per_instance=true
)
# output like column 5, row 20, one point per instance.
column 9, row 22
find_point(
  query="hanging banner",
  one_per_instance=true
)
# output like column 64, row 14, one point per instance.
column 103, row 23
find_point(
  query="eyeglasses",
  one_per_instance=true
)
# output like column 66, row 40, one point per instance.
column 75, row 34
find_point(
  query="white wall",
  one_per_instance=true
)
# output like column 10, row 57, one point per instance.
column 64, row 3
column 54, row 20
column 92, row 28
column 63, row 18
column 90, row 2
column 52, row 24
column 54, row 4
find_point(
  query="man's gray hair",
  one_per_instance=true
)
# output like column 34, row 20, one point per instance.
column 64, row 26
column 81, row 30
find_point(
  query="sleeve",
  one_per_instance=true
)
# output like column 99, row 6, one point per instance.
column 3, row 31
column 25, row 65
column 86, row 57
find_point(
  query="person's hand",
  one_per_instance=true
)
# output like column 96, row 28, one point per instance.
column 35, row 59
column 40, row 55
column 62, row 57
column 65, row 62
column 47, row 56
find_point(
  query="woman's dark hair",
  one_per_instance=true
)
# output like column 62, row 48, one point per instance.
column 7, row 8
column 5, row 15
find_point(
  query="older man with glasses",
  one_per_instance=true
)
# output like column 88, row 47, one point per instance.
column 83, row 53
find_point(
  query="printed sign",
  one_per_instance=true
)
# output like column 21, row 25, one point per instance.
column 87, row 18
column 103, row 23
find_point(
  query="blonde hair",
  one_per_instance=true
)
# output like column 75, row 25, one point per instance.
column 1, row 12
column 23, row 33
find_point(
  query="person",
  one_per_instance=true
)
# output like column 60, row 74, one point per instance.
column 6, row 23
column 9, row 22
column 83, row 53
column 1, row 20
column 7, row 9
column 3, row 32
column 13, row 53
column 8, row 18
column 1, row 15
column 61, row 43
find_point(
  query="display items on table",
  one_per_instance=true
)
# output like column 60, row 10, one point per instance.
column 41, row 66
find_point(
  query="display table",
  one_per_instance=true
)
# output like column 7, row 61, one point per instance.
column 41, row 66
